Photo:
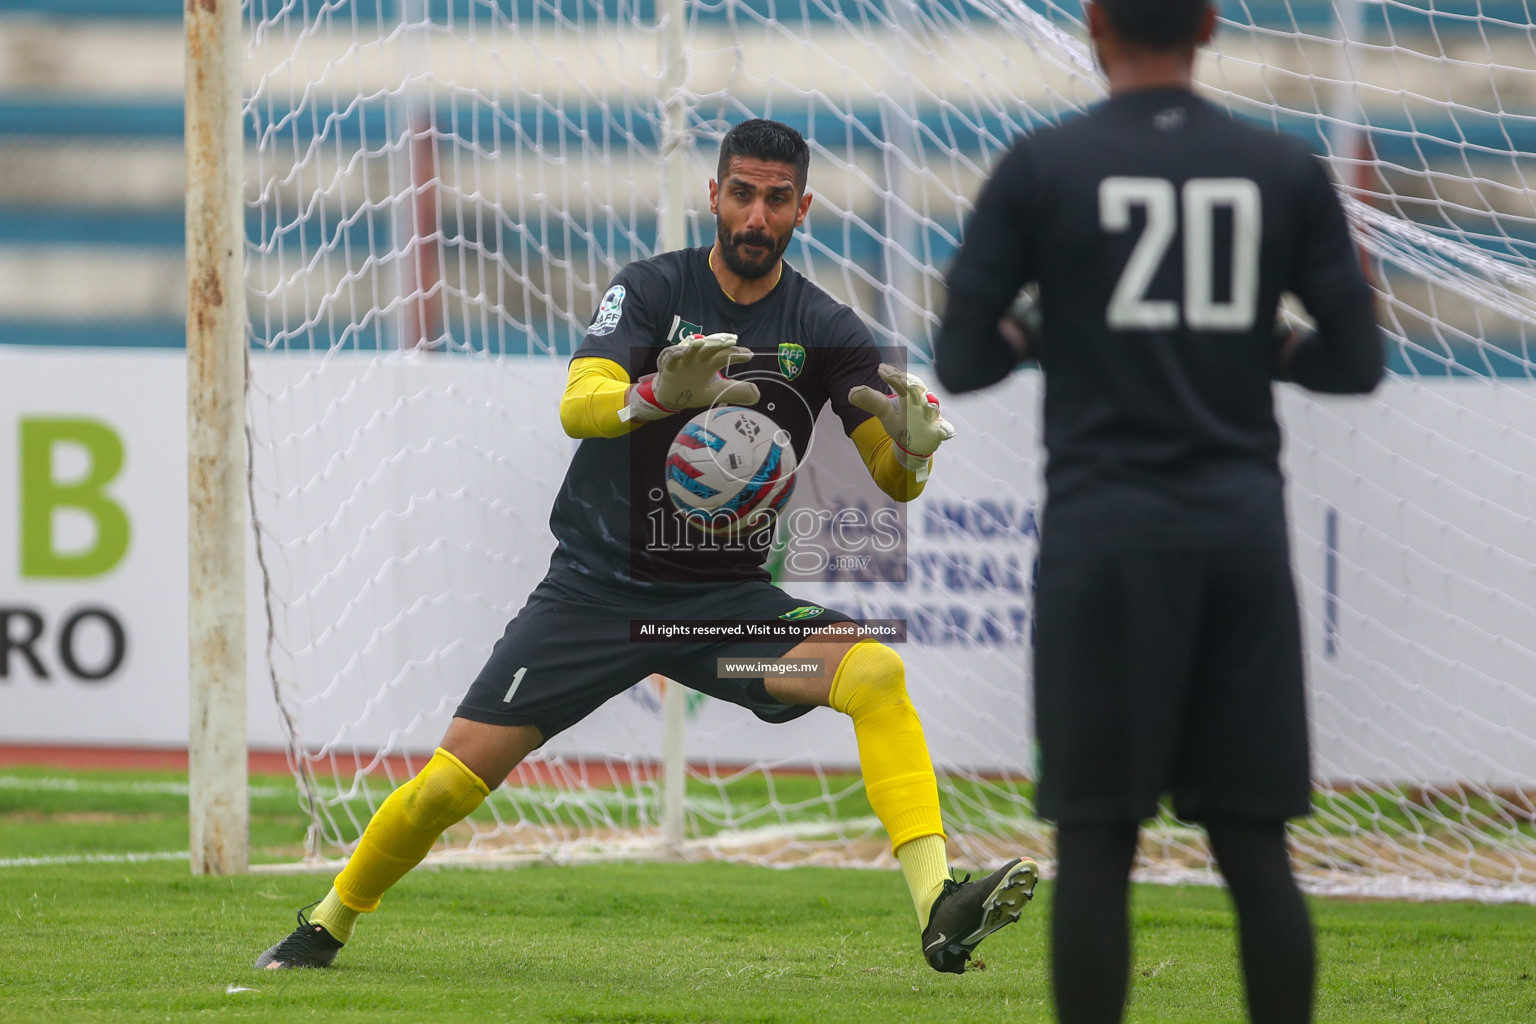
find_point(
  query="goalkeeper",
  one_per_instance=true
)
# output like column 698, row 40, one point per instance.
column 658, row 350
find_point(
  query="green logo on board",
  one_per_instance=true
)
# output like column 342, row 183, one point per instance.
column 45, row 491
column 791, row 359
column 805, row 611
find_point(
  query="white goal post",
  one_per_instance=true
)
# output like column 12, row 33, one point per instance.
column 217, row 492
column 437, row 193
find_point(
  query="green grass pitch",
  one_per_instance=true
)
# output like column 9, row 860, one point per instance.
column 633, row 943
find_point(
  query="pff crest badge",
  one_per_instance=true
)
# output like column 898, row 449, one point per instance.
column 791, row 359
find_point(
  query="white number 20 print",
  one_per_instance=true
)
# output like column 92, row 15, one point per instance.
column 1129, row 307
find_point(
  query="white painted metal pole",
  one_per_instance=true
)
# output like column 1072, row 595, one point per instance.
column 414, row 174
column 216, row 475
column 671, row 233
column 674, row 757
column 1346, row 134
column 676, row 140
column 906, row 296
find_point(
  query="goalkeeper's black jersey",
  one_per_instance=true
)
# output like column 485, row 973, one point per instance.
column 1161, row 233
column 613, row 521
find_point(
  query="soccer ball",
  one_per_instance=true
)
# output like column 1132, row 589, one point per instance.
column 730, row 469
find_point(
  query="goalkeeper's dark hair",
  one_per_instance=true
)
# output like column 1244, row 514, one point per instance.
column 773, row 141
column 1156, row 24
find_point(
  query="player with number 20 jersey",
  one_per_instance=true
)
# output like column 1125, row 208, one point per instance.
column 1161, row 234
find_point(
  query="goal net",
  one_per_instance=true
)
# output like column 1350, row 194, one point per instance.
column 439, row 192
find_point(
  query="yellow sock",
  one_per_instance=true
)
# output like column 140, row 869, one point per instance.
column 925, row 863
column 871, row 688
column 337, row 917
column 405, row 827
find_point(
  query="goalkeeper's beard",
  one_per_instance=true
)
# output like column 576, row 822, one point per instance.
column 739, row 263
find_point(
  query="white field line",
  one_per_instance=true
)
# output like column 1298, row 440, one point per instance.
column 91, row 858
column 547, row 797
column 54, row 785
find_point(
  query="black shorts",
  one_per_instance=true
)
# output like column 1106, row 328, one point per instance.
column 1169, row 671
column 565, row 654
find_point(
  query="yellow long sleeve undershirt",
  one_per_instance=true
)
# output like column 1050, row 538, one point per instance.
column 878, row 449
column 597, row 389
column 595, row 392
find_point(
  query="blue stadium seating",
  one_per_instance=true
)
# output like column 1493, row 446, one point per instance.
column 1445, row 140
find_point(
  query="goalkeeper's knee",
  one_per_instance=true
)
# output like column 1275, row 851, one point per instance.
column 442, row 794
column 405, row 827
column 871, row 676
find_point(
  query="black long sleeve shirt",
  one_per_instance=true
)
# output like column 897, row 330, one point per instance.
column 1162, row 234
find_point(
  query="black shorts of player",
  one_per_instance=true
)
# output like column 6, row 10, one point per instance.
column 1173, row 671
column 566, row 654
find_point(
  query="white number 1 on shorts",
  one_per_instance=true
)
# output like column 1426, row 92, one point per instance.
column 517, row 680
